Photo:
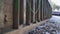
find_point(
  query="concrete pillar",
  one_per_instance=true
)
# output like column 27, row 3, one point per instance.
column 33, row 17
column 38, row 13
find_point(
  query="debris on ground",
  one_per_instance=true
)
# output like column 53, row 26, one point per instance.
column 46, row 28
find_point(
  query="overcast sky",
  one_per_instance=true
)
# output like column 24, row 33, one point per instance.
column 57, row 2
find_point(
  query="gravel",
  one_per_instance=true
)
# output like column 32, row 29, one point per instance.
column 50, row 27
column 47, row 28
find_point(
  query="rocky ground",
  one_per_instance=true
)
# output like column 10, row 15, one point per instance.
column 50, row 27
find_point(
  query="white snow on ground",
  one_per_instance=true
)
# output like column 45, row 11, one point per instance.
column 50, row 27
column 56, row 20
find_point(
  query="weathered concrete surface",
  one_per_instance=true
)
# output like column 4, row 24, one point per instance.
column 8, row 11
column 6, row 8
column 1, row 14
column 23, row 30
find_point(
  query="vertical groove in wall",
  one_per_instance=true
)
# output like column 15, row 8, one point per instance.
column 15, row 14
column 21, row 21
column 28, row 12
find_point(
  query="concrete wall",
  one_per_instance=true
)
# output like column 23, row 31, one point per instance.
column 1, row 14
column 6, row 15
column 8, row 12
